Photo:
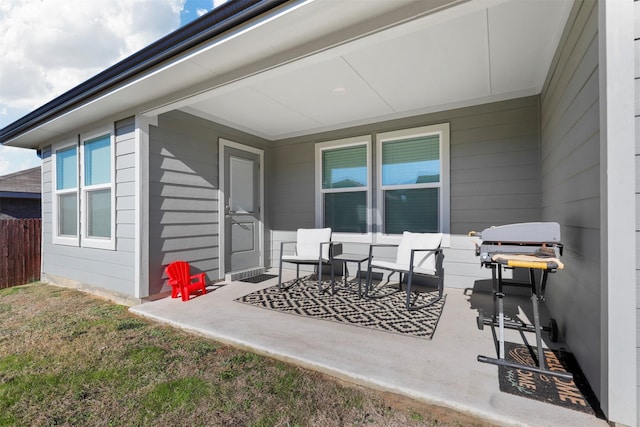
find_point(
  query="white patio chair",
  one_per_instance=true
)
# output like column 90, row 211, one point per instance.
column 313, row 246
column 417, row 254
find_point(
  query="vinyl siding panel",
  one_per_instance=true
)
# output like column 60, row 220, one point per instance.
column 184, row 194
column 495, row 177
column 112, row 271
column 183, row 191
column 570, row 157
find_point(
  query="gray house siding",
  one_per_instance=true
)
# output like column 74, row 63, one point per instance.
column 109, row 270
column 184, row 194
column 495, row 165
column 571, row 185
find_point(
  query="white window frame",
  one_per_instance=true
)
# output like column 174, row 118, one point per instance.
column 442, row 130
column 82, row 239
column 97, row 242
column 331, row 145
column 57, row 238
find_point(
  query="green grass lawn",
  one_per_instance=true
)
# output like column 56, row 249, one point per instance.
column 67, row 358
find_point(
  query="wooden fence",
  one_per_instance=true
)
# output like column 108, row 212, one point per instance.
column 19, row 251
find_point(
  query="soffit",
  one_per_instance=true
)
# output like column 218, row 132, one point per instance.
column 322, row 64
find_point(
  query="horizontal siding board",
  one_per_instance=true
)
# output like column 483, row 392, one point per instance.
column 183, row 195
column 125, row 146
column 125, row 202
column 185, row 243
column 570, row 183
column 184, row 191
column 125, row 189
column 504, row 187
column 583, row 131
column 125, row 126
column 125, row 161
column 160, row 218
column 126, row 245
column 188, row 230
column 190, row 205
column 182, row 178
column 74, row 254
column 126, row 217
column 127, row 231
column 125, row 175
column 491, row 144
column 112, row 270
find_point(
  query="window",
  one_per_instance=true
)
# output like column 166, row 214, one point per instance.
column 84, row 201
column 413, row 167
column 66, row 195
column 411, row 185
column 343, row 177
column 97, row 187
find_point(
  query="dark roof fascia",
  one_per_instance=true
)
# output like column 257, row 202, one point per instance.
column 223, row 18
column 22, row 195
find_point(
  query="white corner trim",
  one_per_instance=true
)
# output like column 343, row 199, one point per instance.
column 617, row 188
column 141, row 197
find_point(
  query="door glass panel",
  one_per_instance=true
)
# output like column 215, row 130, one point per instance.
column 241, row 199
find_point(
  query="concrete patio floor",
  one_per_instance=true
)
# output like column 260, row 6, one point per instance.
column 442, row 371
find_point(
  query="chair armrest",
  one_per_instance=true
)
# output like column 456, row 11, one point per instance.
column 435, row 250
column 321, row 245
column 200, row 277
column 288, row 242
column 335, row 249
column 173, row 282
column 380, row 245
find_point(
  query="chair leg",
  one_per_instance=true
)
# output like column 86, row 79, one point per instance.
column 413, row 307
column 368, row 285
column 280, row 275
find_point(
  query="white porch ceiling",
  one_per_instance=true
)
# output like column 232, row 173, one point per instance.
column 317, row 65
column 471, row 53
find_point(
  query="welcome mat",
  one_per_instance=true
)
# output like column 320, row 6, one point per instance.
column 259, row 278
column 387, row 314
column 576, row 394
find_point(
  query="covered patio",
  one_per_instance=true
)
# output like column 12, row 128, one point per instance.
column 442, row 371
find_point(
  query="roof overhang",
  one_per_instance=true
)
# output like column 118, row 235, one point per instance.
column 307, row 66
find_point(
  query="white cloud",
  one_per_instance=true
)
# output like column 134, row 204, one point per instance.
column 49, row 46
column 13, row 159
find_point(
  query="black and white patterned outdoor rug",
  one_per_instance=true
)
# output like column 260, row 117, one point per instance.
column 387, row 313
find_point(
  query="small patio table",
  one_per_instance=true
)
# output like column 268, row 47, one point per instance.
column 345, row 259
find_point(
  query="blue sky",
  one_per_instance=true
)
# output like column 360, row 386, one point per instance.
column 50, row 46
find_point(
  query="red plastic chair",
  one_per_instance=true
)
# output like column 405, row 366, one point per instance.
column 182, row 282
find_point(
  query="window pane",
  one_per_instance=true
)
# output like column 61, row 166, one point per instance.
column 68, row 214
column 241, row 175
column 97, row 162
column 99, row 213
column 66, row 168
column 414, row 210
column 344, row 167
column 346, row 212
column 411, row 161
